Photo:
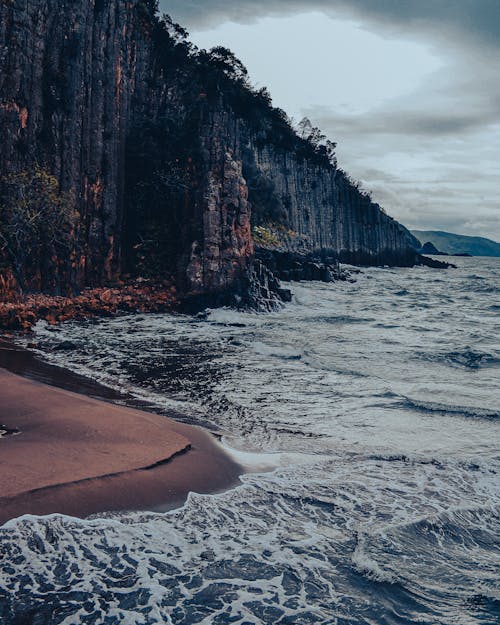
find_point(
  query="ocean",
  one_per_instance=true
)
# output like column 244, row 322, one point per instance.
column 368, row 416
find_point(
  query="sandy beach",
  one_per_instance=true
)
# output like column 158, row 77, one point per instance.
column 77, row 455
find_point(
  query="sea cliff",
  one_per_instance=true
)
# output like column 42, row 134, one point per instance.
column 128, row 153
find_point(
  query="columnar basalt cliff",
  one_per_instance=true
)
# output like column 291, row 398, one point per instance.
column 67, row 77
column 320, row 204
column 165, row 157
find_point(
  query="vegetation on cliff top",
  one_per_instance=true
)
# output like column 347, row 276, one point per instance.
column 221, row 76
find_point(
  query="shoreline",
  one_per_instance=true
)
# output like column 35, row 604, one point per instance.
column 70, row 449
column 20, row 311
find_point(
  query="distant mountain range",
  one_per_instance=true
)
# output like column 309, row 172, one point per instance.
column 450, row 243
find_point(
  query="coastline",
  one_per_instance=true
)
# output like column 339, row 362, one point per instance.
column 79, row 454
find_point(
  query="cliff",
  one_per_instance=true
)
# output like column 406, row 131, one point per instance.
column 321, row 205
column 127, row 151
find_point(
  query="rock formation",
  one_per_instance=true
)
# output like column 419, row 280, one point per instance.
column 429, row 248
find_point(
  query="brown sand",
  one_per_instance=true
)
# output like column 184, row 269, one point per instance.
column 78, row 455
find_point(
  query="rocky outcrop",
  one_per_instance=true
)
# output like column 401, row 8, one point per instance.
column 224, row 250
column 167, row 163
column 429, row 248
column 21, row 314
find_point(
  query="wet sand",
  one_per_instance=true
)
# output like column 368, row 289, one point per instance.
column 79, row 455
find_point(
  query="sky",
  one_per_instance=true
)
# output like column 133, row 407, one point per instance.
column 409, row 89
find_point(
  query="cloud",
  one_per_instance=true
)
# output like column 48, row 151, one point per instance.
column 392, row 122
column 431, row 156
column 477, row 20
column 414, row 117
column 439, row 183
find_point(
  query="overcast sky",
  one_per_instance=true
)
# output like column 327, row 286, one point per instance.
column 410, row 90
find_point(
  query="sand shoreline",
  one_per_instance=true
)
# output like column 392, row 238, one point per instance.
column 78, row 455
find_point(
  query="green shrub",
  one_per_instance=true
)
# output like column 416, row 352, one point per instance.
column 264, row 237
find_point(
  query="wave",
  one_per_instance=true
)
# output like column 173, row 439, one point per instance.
column 341, row 319
column 456, row 549
column 446, row 409
column 318, row 363
column 484, row 602
column 282, row 547
column 282, row 353
column 466, row 358
column 405, row 459
column 479, row 285
column 369, row 568
column 436, row 462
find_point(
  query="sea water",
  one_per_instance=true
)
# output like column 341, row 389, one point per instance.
column 377, row 406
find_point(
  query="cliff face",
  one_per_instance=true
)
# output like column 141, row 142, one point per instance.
column 164, row 176
column 221, row 254
column 331, row 215
column 67, row 80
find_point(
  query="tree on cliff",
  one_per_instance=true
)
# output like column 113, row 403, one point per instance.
column 322, row 146
column 173, row 49
column 222, row 70
column 223, row 59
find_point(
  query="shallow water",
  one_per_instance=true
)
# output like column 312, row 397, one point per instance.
column 377, row 402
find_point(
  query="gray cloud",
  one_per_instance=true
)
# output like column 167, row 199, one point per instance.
column 394, row 122
column 430, row 207
column 418, row 122
column 477, row 20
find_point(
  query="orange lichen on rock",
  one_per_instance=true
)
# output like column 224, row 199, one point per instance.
column 13, row 107
column 118, row 80
column 97, row 189
column 23, row 117
column 9, row 288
